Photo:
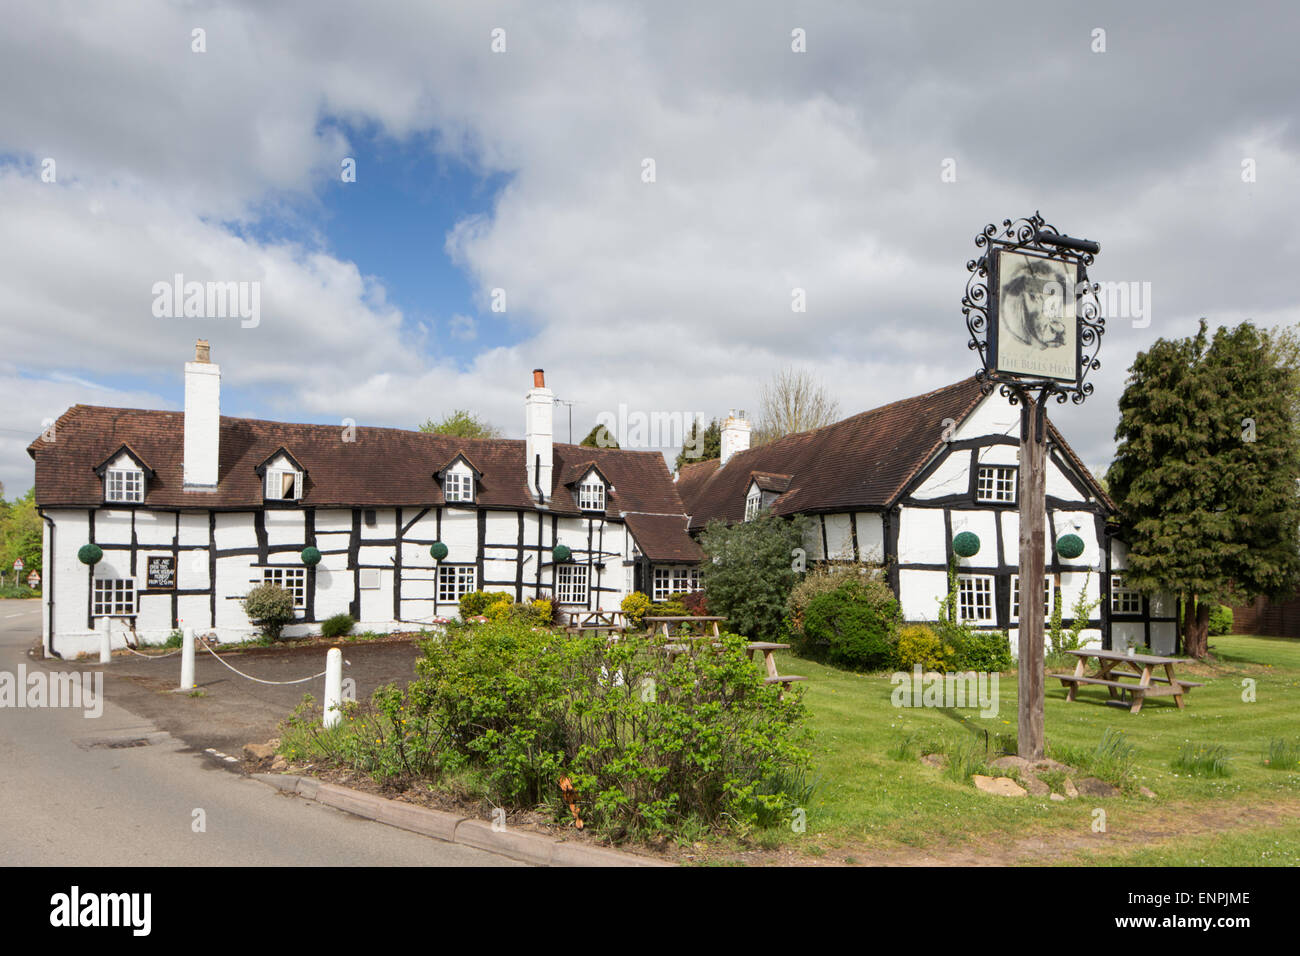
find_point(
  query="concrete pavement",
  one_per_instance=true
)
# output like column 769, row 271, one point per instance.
column 81, row 791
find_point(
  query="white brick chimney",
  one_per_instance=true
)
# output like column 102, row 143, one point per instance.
column 735, row 435
column 539, row 415
column 202, row 419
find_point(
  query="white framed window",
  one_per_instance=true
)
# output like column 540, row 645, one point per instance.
column 124, row 484
column 293, row 580
column 458, row 487
column 674, row 580
column 113, row 597
column 975, row 598
column 1123, row 600
column 753, row 504
column 455, row 580
column 283, row 484
column 1015, row 597
column 571, row 584
column 996, row 483
column 591, row 495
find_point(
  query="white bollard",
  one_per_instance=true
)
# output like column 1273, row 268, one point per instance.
column 333, row 687
column 187, row 659
column 105, row 648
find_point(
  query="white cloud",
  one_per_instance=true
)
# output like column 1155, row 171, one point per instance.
column 775, row 170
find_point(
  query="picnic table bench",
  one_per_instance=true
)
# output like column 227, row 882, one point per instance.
column 586, row 622
column 1111, row 676
column 681, row 644
column 665, row 623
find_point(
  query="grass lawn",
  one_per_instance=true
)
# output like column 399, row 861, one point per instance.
column 870, row 806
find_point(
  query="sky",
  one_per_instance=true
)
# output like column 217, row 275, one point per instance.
column 501, row 160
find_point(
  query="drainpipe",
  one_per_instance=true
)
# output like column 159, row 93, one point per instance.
column 537, row 479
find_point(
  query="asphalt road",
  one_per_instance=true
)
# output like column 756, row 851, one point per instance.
column 71, row 798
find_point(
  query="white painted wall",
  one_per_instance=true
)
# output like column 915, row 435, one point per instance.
column 335, row 582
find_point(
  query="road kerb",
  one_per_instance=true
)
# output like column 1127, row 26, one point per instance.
column 534, row 848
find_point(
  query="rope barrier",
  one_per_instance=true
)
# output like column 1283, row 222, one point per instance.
column 259, row 680
column 152, row 657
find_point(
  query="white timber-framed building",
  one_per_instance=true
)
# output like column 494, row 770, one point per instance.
column 182, row 513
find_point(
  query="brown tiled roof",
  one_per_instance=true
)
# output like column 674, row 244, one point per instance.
column 664, row 537
column 767, row 481
column 383, row 467
column 860, row 462
column 693, row 477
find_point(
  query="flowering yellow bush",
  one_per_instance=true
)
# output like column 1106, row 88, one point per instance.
column 918, row 644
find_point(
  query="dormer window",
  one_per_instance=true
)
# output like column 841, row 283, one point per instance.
column 457, row 486
column 126, row 477
column 591, row 494
column 124, row 485
column 282, row 477
column 458, row 479
column 283, row 484
column 753, row 503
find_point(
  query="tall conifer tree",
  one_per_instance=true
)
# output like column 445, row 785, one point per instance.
column 1206, row 472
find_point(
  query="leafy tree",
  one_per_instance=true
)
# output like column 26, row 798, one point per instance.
column 20, row 534
column 1205, row 472
column 708, row 444
column 749, row 571
column 599, row 437
column 793, row 401
column 462, row 423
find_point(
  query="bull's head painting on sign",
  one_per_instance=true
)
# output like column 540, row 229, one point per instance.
column 1036, row 333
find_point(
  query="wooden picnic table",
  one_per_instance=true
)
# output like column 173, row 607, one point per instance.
column 665, row 623
column 1120, row 681
column 586, row 622
column 768, row 649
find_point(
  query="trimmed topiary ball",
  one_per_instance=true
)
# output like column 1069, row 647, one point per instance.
column 310, row 557
column 561, row 553
column 966, row 544
column 438, row 550
column 90, row 554
column 1069, row 546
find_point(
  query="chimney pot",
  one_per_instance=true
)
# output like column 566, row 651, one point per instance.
column 539, row 378
column 202, row 351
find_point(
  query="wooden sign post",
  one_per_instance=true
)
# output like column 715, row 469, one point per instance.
column 1035, row 320
column 1033, row 516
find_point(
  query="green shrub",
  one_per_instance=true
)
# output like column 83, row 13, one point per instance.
column 478, row 602
column 918, row 644
column 855, row 625
column 651, row 748
column 987, row 651
column 669, row 608
column 269, row 607
column 749, row 571
column 338, row 625
column 1220, row 620
column 823, row 579
column 174, row 640
column 635, row 606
